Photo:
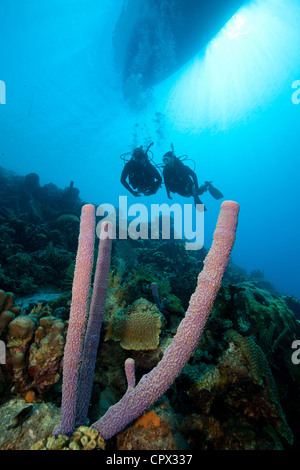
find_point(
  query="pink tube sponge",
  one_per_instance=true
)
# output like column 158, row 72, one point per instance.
column 78, row 318
column 155, row 383
column 93, row 328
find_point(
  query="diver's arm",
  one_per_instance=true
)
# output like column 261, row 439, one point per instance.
column 124, row 175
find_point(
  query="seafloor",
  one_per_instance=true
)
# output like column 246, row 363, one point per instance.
column 240, row 389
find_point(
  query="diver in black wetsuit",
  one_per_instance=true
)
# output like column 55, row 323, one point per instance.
column 180, row 179
column 143, row 177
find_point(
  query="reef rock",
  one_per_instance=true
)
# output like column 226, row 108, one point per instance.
column 38, row 424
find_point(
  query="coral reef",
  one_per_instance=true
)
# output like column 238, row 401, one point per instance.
column 137, row 327
column 85, row 321
column 135, row 401
column 243, row 382
column 176, row 355
column 20, row 333
column 238, row 390
column 84, row 438
column 7, row 309
column 171, row 260
column 38, row 232
column 156, row 429
column 35, row 345
column 46, row 353
column 38, row 424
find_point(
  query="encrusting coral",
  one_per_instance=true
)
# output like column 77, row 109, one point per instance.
column 35, row 345
column 156, row 429
column 46, row 353
column 20, row 333
column 84, row 438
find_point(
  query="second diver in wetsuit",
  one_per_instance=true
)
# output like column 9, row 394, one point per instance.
column 180, row 179
column 142, row 175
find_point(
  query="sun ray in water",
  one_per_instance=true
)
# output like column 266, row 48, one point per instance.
column 241, row 70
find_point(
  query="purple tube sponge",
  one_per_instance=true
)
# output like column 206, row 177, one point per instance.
column 85, row 322
column 155, row 383
column 92, row 334
column 130, row 373
column 160, row 305
column 77, row 322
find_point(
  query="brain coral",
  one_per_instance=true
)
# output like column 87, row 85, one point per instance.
column 137, row 327
column 7, row 309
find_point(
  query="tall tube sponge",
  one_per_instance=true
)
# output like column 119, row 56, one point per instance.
column 92, row 335
column 154, row 384
column 84, row 323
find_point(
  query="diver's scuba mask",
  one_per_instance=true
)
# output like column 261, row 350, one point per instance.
column 168, row 158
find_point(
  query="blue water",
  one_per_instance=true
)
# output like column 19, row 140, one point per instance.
column 230, row 109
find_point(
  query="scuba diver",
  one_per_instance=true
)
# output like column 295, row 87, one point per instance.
column 180, row 179
column 142, row 175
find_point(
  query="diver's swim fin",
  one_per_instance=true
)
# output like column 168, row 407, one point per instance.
column 214, row 192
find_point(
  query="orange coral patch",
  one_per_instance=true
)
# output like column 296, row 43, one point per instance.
column 30, row 397
column 147, row 420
